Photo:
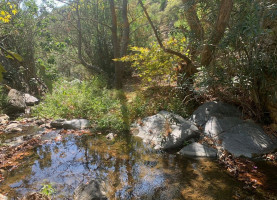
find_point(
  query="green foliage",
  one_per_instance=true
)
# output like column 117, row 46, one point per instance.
column 13, row 55
column 86, row 99
column 153, row 63
column 155, row 99
column 47, row 189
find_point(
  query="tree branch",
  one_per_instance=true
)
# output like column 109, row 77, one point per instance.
column 191, row 69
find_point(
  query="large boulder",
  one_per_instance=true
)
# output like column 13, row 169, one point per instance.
column 239, row 137
column 94, row 190
column 165, row 130
column 222, row 123
column 247, row 139
column 16, row 102
column 214, row 109
column 70, row 124
column 217, row 125
column 198, row 150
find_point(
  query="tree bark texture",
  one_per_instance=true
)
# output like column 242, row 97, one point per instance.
column 218, row 32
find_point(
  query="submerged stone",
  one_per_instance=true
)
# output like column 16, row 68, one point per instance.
column 94, row 190
column 198, row 150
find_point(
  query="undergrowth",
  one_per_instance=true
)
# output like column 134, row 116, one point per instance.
column 108, row 110
column 87, row 99
column 157, row 98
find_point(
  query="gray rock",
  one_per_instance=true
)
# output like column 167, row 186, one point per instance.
column 76, row 124
column 216, row 126
column 94, row 190
column 57, row 123
column 14, row 128
column 247, row 139
column 30, row 100
column 198, row 150
column 216, row 109
column 110, row 136
column 16, row 102
column 70, row 124
column 165, row 130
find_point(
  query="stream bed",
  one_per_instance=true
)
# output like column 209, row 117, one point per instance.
column 129, row 169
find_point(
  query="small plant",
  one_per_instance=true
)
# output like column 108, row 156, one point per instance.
column 47, row 189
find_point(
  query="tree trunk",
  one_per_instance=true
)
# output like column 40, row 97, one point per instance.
column 91, row 68
column 116, row 47
column 193, row 20
column 220, row 27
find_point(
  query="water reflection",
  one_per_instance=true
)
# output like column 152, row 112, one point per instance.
column 130, row 170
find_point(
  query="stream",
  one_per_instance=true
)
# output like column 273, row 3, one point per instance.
column 130, row 170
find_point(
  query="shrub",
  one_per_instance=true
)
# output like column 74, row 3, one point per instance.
column 83, row 99
column 155, row 99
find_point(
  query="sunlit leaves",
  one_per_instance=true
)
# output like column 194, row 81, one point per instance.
column 154, row 63
column 13, row 55
column 7, row 11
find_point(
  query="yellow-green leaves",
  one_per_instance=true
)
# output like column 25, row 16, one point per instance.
column 7, row 11
column 154, row 63
column 13, row 55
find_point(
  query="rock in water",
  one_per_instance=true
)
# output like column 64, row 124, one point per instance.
column 76, row 124
column 198, row 150
column 94, row 190
column 57, row 123
column 70, row 124
column 165, row 130
column 14, row 128
column 216, row 109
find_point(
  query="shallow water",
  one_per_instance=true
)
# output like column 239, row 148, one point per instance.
column 129, row 169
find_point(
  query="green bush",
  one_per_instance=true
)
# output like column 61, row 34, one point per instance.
column 87, row 99
column 155, row 99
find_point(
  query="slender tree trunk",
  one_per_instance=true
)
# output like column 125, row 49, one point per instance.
column 126, row 29
column 116, row 47
column 193, row 20
column 92, row 68
column 220, row 27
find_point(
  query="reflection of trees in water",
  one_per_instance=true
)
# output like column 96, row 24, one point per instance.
column 45, row 156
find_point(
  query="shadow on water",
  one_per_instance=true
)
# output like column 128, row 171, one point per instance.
column 130, row 170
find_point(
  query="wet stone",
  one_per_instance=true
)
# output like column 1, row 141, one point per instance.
column 198, row 150
column 93, row 190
